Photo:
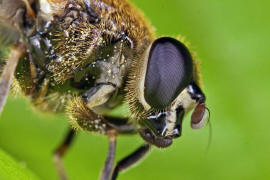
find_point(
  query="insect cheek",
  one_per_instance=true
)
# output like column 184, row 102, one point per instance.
column 178, row 125
column 199, row 116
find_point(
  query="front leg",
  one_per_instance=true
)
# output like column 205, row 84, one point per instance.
column 108, row 167
column 82, row 115
column 130, row 160
column 98, row 95
column 81, row 109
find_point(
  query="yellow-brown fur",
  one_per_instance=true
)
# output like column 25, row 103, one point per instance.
column 120, row 17
column 117, row 17
column 122, row 14
column 82, row 117
column 86, row 57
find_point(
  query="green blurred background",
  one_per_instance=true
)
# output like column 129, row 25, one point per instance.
column 232, row 40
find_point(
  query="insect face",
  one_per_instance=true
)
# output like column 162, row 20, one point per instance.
column 168, row 92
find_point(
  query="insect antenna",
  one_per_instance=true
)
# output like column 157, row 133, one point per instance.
column 17, row 51
column 210, row 136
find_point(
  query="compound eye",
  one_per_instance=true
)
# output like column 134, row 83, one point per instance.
column 199, row 116
column 169, row 71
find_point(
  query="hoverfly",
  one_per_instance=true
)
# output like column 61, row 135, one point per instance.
column 86, row 58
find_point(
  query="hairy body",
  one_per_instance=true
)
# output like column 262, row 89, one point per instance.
column 87, row 57
column 80, row 46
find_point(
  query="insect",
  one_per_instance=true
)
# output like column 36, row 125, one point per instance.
column 86, row 58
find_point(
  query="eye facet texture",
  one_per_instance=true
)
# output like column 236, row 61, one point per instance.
column 169, row 71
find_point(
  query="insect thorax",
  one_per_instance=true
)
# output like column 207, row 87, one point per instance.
column 81, row 45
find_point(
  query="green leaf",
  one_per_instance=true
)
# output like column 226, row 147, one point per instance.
column 11, row 170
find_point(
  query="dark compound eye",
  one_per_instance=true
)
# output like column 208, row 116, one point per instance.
column 169, row 71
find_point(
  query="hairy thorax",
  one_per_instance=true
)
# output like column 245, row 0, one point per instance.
column 80, row 45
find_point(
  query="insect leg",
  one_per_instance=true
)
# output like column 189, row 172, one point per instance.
column 130, row 160
column 60, row 152
column 108, row 167
column 80, row 110
column 98, row 95
column 16, row 53
column 29, row 11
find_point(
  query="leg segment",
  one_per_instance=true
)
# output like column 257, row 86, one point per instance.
column 80, row 109
column 16, row 53
column 98, row 95
column 130, row 160
column 60, row 152
column 108, row 167
column 82, row 117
